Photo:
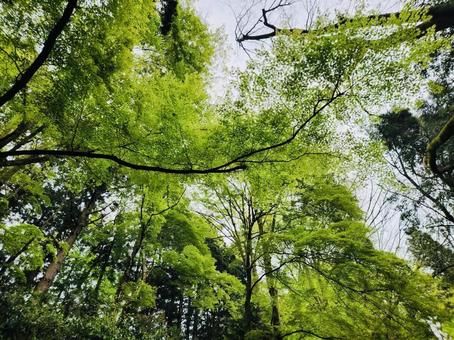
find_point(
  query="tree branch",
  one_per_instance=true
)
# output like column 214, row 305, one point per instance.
column 11, row 258
column 309, row 333
column 441, row 17
column 89, row 154
column 19, row 130
column 291, row 260
column 425, row 193
column 235, row 164
column 26, row 76
column 244, row 157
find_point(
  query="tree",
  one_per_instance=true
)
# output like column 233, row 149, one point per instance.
column 408, row 136
column 63, row 99
column 435, row 16
column 309, row 245
column 104, row 106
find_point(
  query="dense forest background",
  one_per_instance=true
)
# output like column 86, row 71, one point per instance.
column 134, row 206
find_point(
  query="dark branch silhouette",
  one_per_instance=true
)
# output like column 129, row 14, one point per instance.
column 402, row 170
column 236, row 164
column 119, row 161
column 27, row 75
column 441, row 17
column 16, row 133
column 244, row 157
column 305, row 331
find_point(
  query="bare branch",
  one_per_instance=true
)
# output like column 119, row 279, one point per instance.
column 441, row 17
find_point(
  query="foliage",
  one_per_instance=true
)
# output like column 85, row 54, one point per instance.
column 102, row 238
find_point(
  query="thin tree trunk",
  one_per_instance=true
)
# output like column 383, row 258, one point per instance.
column 189, row 320
column 104, row 266
column 135, row 250
column 270, row 282
column 248, row 287
column 196, row 325
column 180, row 313
column 54, row 268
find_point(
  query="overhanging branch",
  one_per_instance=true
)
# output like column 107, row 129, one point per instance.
column 307, row 332
column 236, row 164
column 119, row 161
column 27, row 75
column 441, row 17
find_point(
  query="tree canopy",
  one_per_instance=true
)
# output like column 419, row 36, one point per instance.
column 133, row 206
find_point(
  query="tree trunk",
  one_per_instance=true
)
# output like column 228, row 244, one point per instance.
column 248, row 287
column 270, row 281
column 189, row 320
column 104, row 265
column 180, row 314
column 131, row 259
column 430, row 157
column 195, row 325
column 54, row 268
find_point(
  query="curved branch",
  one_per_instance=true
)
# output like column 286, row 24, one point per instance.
column 89, row 154
column 271, row 271
column 304, row 331
column 49, row 44
column 430, row 157
column 249, row 35
column 235, row 164
column 245, row 156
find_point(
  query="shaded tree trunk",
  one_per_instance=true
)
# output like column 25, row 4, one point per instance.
column 430, row 157
column 54, row 268
column 270, row 281
column 168, row 13
column 248, row 286
column 195, row 325
column 189, row 320
column 104, row 265
column 135, row 250
column 180, row 314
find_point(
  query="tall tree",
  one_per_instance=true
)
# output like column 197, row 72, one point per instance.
column 312, row 239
